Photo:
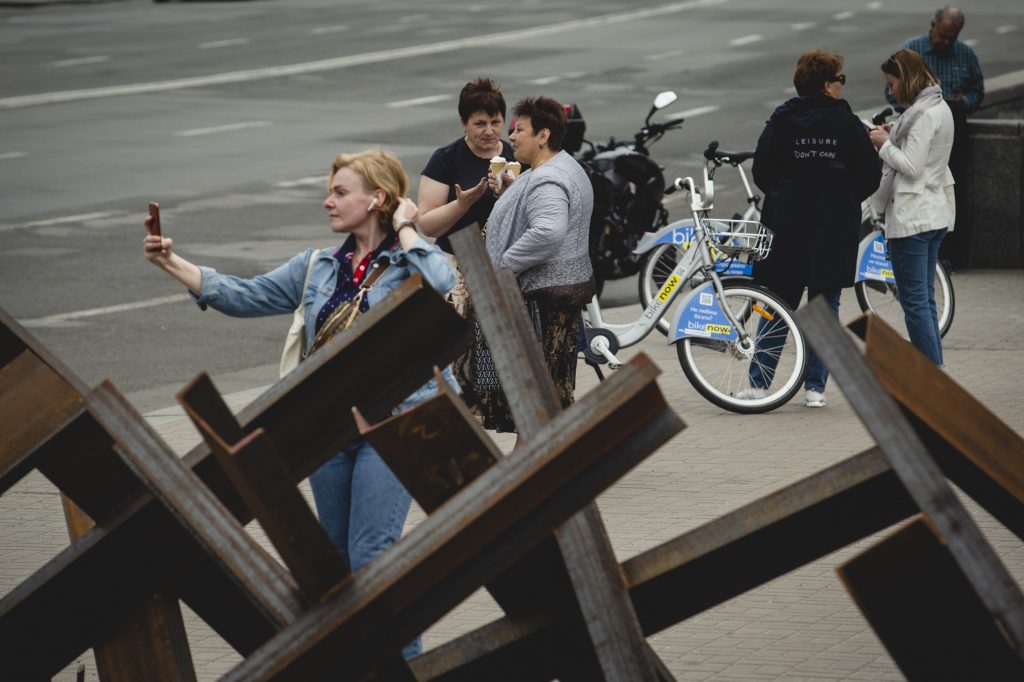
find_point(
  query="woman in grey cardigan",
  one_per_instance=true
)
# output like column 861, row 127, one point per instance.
column 539, row 228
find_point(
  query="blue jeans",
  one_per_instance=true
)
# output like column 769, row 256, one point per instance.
column 362, row 506
column 771, row 337
column 913, row 266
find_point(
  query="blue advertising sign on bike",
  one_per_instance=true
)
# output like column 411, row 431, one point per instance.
column 681, row 234
column 701, row 316
column 872, row 260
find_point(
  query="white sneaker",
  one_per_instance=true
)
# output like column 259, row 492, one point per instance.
column 814, row 398
column 752, row 393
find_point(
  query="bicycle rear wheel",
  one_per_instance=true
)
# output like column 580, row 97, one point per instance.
column 721, row 371
column 883, row 299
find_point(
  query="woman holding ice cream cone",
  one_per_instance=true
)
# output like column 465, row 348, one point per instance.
column 453, row 189
column 539, row 228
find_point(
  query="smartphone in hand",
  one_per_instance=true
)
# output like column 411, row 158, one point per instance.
column 154, row 223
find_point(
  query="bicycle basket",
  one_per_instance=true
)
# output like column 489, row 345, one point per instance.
column 740, row 238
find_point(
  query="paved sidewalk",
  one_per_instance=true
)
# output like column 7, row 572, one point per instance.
column 800, row 627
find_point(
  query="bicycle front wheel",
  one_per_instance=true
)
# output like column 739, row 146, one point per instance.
column 883, row 299
column 758, row 377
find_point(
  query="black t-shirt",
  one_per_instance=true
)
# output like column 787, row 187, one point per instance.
column 455, row 164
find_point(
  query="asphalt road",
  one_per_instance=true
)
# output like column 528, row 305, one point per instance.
column 230, row 113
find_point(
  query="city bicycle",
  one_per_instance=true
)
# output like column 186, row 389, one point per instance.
column 725, row 332
column 875, row 286
column 666, row 246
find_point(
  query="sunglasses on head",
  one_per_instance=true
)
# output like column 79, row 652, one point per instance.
column 841, row 78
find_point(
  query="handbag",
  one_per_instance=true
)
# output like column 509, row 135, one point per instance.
column 296, row 338
column 346, row 313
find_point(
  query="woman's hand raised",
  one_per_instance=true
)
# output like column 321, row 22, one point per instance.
column 468, row 197
column 157, row 249
column 407, row 211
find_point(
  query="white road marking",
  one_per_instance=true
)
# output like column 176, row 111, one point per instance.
column 216, row 44
column 324, row 30
column 79, row 218
column 803, row 25
column 230, row 127
column 1003, row 30
column 970, row 42
column 746, row 40
column 106, row 310
column 308, row 181
column 81, row 61
column 429, row 99
column 875, row 5
column 12, row 155
column 844, row 15
column 699, row 111
column 544, row 80
column 658, row 56
column 356, row 59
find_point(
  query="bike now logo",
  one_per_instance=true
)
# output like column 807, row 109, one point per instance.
column 682, row 237
column 670, row 285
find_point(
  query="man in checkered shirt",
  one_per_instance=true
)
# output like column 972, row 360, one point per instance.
column 963, row 88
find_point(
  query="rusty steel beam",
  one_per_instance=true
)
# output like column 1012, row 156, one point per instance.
column 929, row 618
column 273, row 498
column 35, row 401
column 739, row 551
column 915, row 468
column 150, row 642
column 616, row 648
column 974, row 448
column 91, row 586
column 435, row 449
column 222, row 538
column 485, row 527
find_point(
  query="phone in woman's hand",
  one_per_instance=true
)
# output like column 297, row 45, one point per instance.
column 154, row 223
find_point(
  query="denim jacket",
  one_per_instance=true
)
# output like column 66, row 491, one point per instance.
column 278, row 291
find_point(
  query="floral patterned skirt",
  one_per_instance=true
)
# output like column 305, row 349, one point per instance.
column 558, row 329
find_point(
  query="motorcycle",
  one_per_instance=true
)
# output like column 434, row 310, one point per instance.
column 628, row 190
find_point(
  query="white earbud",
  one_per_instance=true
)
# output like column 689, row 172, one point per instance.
column 373, row 203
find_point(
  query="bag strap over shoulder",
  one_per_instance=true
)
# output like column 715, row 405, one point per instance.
column 346, row 313
column 295, row 341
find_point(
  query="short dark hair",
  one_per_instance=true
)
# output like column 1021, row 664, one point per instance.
column 484, row 95
column 544, row 112
column 814, row 69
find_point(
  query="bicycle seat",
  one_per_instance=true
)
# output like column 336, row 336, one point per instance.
column 735, row 158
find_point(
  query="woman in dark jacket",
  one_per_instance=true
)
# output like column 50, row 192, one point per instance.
column 815, row 164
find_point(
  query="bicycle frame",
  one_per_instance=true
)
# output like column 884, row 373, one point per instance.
column 706, row 317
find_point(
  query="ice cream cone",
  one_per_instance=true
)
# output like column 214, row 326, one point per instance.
column 512, row 168
column 497, row 164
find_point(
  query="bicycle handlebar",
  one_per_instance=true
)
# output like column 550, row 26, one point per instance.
column 678, row 184
column 719, row 156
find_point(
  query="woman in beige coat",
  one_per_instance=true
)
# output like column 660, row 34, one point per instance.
column 916, row 193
